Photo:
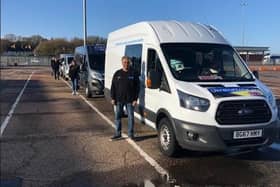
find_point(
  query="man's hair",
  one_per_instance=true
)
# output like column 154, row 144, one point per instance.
column 125, row 57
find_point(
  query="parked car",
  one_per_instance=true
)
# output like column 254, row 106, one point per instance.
column 196, row 90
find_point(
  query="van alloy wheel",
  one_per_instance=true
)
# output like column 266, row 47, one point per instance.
column 87, row 90
column 165, row 137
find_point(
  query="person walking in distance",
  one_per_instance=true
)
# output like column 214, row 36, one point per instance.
column 74, row 74
column 124, row 92
column 56, row 69
column 52, row 65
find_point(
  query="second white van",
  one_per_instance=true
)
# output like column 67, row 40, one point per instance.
column 66, row 60
column 196, row 91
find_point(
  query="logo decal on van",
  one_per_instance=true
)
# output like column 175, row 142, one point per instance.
column 235, row 91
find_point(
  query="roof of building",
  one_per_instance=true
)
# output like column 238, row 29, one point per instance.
column 251, row 48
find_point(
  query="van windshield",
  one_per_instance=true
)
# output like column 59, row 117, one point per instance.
column 97, row 61
column 205, row 62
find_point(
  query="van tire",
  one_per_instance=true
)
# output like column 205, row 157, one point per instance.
column 166, row 138
column 87, row 90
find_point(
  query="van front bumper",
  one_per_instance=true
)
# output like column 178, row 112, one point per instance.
column 221, row 139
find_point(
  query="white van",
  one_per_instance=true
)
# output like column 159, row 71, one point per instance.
column 91, row 59
column 66, row 60
column 196, row 90
column 273, row 59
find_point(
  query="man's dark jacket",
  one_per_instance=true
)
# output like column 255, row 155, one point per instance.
column 52, row 63
column 125, row 86
column 74, row 71
column 56, row 65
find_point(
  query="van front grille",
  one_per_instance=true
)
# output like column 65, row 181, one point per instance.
column 243, row 112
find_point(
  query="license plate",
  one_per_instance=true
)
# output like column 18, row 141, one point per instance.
column 247, row 134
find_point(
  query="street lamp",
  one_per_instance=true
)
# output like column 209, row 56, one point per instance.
column 85, row 22
column 243, row 4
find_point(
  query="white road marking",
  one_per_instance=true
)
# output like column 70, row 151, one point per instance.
column 275, row 146
column 10, row 114
column 148, row 158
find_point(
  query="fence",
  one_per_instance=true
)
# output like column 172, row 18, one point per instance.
column 24, row 61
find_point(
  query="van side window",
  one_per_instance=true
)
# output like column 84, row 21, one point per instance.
column 134, row 52
column 153, row 63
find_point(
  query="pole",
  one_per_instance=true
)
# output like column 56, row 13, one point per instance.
column 85, row 22
column 243, row 4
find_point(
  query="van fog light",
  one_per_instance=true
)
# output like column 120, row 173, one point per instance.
column 192, row 136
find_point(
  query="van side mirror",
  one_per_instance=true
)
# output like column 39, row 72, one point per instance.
column 154, row 79
column 256, row 74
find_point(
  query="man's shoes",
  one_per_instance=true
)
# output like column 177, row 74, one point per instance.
column 116, row 137
column 131, row 137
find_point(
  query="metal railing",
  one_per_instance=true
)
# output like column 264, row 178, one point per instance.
column 24, row 61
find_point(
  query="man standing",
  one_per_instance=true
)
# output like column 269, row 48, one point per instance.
column 73, row 74
column 52, row 65
column 124, row 92
column 56, row 69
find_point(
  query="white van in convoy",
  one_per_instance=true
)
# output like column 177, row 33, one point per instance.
column 196, row 91
column 273, row 59
column 66, row 60
column 91, row 59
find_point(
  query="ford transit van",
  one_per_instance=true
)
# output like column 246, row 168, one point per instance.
column 65, row 60
column 196, row 91
column 91, row 60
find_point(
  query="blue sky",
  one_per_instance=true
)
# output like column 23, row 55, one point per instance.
column 63, row 18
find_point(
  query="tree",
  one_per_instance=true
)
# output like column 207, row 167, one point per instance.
column 53, row 47
column 41, row 46
column 5, row 44
column 96, row 40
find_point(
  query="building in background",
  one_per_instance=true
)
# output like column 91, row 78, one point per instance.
column 252, row 55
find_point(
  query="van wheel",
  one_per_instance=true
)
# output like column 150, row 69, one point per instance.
column 166, row 137
column 88, row 93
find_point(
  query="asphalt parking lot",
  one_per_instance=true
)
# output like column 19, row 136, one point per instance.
column 55, row 139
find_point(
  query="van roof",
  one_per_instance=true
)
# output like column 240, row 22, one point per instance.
column 173, row 32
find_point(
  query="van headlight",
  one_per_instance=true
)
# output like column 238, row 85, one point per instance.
column 192, row 102
column 96, row 75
